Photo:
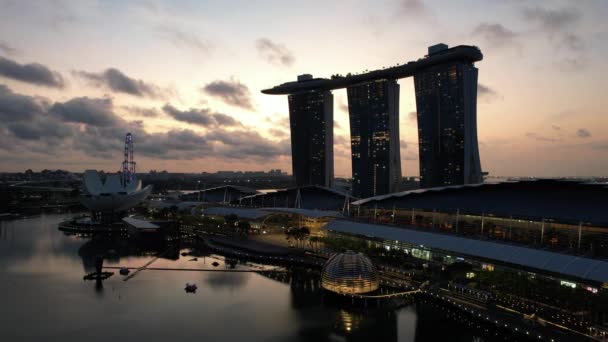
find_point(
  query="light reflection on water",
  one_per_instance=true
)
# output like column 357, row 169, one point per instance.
column 44, row 296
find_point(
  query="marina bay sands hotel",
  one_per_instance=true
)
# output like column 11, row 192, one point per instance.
column 445, row 83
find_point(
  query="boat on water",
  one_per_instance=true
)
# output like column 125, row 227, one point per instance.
column 190, row 288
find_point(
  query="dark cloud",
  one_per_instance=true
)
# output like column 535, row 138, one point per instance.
column 90, row 126
column 17, row 107
column 414, row 7
column 247, row 144
column 231, row 92
column 26, row 118
column 275, row 53
column 486, row 93
column 118, row 82
column 201, row 116
column 225, row 120
column 140, row 111
column 195, row 116
column 85, row 110
column 495, row 35
column 34, row 73
column 552, row 20
column 7, row 49
column 583, row 133
column 184, row 39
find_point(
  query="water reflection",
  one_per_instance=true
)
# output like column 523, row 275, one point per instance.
column 41, row 272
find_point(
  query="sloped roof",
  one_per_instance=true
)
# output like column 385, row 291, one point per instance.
column 565, row 201
column 567, row 265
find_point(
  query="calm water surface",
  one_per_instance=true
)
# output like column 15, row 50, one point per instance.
column 43, row 296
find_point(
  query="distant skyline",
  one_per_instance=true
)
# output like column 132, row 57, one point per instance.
column 185, row 78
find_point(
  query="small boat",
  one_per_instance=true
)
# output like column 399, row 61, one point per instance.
column 124, row 271
column 190, row 288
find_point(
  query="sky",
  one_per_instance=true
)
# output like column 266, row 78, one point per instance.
column 185, row 78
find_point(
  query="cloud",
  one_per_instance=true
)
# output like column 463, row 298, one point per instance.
column 552, row 20
column 583, row 133
column 34, row 73
column 118, row 82
column 571, row 41
column 414, row 7
column 195, row 116
column 85, row 110
column 538, row 137
column 140, row 111
column 202, row 117
column 225, row 120
column 279, row 133
column 495, row 35
column 486, row 93
column 343, row 106
column 247, row 144
column 37, row 128
column 275, row 53
column 17, row 107
column 184, row 39
column 231, row 92
column 27, row 118
column 7, row 49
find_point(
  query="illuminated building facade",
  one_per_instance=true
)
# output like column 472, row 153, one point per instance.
column 311, row 120
column 446, row 102
column 374, row 127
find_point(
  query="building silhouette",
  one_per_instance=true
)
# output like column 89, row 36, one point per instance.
column 446, row 102
column 311, row 119
column 374, row 133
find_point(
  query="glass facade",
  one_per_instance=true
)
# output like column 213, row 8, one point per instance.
column 374, row 127
column 446, row 102
column 311, row 120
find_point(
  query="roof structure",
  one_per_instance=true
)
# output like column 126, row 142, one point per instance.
column 461, row 52
column 139, row 224
column 306, row 197
column 220, row 194
column 312, row 213
column 561, row 200
column 551, row 262
column 247, row 213
column 257, row 213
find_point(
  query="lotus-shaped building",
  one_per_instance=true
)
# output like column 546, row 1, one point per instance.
column 108, row 200
column 350, row 273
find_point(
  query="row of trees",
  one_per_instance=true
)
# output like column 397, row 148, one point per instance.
column 299, row 235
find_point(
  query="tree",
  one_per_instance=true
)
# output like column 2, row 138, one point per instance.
column 243, row 227
column 230, row 220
